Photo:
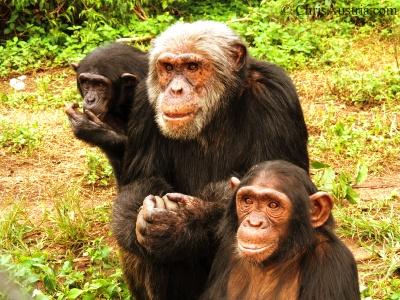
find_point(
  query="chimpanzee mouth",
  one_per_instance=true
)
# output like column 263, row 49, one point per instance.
column 178, row 116
column 252, row 249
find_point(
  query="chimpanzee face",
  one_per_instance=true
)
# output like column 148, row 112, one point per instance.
column 189, row 76
column 266, row 214
column 96, row 91
column 263, row 214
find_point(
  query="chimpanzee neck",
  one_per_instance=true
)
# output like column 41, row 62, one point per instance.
column 224, row 121
column 249, row 280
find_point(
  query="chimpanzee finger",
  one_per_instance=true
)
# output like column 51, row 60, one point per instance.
column 179, row 198
column 70, row 110
column 159, row 202
column 170, row 205
column 141, row 225
column 92, row 117
column 140, row 238
column 149, row 204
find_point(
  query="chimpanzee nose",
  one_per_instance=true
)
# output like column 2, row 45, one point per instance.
column 176, row 88
column 256, row 220
column 90, row 99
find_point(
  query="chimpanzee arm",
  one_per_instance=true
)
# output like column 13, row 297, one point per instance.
column 183, row 233
column 127, row 206
column 89, row 129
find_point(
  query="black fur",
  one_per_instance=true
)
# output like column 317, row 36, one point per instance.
column 261, row 119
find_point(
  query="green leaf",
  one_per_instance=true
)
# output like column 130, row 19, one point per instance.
column 362, row 173
column 327, row 180
column 352, row 196
column 318, row 165
column 74, row 293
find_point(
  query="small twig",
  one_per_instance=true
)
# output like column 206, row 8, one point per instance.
column 374, row 187
column 140, row 12
column 239, row 20
column 137, row 39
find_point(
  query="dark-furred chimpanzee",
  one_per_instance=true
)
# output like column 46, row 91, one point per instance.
column 106, row 79
column 277, row 241
column 208, row 111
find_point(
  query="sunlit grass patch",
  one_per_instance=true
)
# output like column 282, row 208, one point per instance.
column 48, row 91
column 20, row 137
column 62, row 249
column 375, row 224
column 98, row 169
column 371, row 87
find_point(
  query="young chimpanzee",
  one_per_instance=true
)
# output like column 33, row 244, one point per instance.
column 106, row 79
column 277, row 241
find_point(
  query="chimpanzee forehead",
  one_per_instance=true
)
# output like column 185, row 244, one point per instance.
column 94, row 77
column 180, row 57
column 267, row 181
column 270, row 180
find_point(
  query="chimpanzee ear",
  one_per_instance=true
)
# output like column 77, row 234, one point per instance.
column 129, row 80
column 239, row 55
column 321, row 206
column 234, row 182
column 75, row 66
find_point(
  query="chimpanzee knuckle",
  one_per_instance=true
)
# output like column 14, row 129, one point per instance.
column 159, row 202
column 141, row 239
column 141, row 227
column 148, row 215
column 170, row 205
column 149, row 202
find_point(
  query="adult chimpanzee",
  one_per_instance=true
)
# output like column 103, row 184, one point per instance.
column 277, row 241
column 106, row 79
column 217, row 112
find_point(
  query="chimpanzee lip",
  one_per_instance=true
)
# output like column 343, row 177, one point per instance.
column 252, row 248
column 178, row 116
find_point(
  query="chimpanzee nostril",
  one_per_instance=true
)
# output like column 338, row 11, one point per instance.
column 90, row 99
column 256, row 220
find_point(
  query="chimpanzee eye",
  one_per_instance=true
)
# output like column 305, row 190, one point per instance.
column 248, row 201
column 193, row 66
column 273, row 204
column 168, row 67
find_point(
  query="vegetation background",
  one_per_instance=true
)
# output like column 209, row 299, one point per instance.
column 56, row 192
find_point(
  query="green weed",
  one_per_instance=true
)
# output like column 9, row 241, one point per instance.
column 99, row 171
column 20, row 137
column 339, row 185
column 366, row 87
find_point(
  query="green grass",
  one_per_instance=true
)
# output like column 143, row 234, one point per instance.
column 99, row 171
column 361, row 88
column 50, row 92
column 58, row 253
column 19, row 137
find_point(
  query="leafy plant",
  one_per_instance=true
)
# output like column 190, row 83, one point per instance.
column 19, row 137
column 341, row 184
column 99, row 171
column 366, row 88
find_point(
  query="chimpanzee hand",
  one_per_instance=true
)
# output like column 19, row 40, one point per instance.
column 89, row 128
column 83, row 121
column 162, row 220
